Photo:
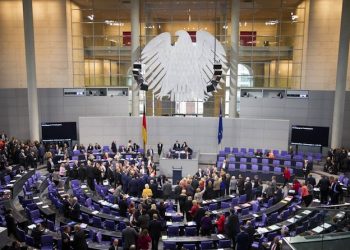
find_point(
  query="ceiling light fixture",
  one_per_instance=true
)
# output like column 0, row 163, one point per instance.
column 271, row 22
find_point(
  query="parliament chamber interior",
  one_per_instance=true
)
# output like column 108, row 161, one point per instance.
column 174, row 124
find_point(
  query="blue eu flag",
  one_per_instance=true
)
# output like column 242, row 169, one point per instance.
column 220, row 128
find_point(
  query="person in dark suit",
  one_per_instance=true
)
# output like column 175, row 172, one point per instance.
column 311, row 180
column 324, row 185
column 275, row 244
column 232, row 227
column 123, row 206
column 135, row 147
column 74, row 209
column 240, row 185
column 248, row 187
column 133, row 187
column 36, row 234
column 155, row 229
column 198, row 217
column 129, row 236
column 308, row 166
column 160, row 148
column 66, row 244
column 336, row 190
column 242, row 240
column 250, row 231
column 184, row 145
column 114, row 245
column 79, row 241
column 114, row 147
column 188, row 152
column 90, row 148
column 90, row 176
column 177, row 146
column 10, row 223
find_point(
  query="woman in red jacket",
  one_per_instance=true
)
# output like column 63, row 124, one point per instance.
column 220, row 223
column 296, row 185
column 144, row 240
column 286, row 175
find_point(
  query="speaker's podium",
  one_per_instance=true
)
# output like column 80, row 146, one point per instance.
column 178, row 166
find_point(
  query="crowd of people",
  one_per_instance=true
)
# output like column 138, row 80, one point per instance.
column 138, row 178
column 338, row 159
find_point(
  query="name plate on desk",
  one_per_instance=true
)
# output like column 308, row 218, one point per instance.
column 273, row 227
column 83, row 225
column 220, row 236
column 307, row 212
column 262, row 230
column 94, row 212
column 45, row 206
column 292, row 220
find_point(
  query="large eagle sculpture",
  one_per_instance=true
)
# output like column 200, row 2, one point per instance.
column 183, row 70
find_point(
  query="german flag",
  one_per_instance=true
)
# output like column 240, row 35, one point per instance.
column 144, row 127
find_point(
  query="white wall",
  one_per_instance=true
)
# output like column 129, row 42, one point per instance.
column 54, row 107
column 317, row 110
column 199, row 133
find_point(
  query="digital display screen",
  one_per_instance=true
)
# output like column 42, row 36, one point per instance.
column 53, row 131
column 308, row 135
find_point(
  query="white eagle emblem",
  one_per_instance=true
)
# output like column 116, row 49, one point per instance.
column 183, row 70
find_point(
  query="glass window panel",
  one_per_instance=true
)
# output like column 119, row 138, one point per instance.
column 296, row 42
column 261, row 4
column 297, row 56
column 296, row 69
column 293, row 3
column 267, row 42
column 294, row 82
column 299, row 15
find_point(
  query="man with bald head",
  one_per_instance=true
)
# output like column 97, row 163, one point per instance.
column 114, row 245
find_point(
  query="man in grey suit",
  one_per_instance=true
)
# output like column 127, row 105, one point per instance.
column 167, row 190
column 129, row 236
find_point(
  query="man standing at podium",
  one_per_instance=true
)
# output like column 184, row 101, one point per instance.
column 160, row 148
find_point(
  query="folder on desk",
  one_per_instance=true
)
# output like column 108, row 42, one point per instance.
column 83, row 225
column 220, row 236
column 307, row 212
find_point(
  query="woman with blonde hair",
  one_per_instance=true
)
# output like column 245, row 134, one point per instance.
column 147, row 192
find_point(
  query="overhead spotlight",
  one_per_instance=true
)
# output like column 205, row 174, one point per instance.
column 210, row 88
column 216, row 77
column 137, row 73
column 142, row 83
